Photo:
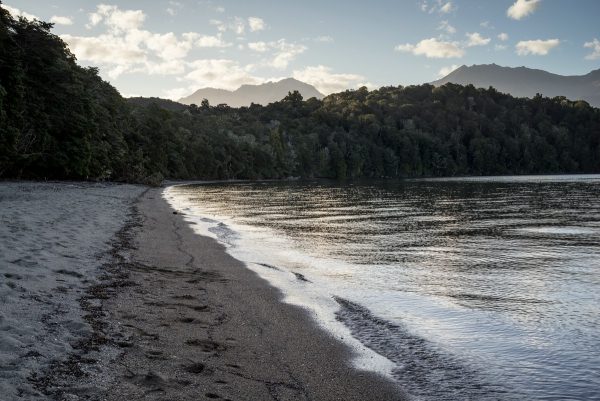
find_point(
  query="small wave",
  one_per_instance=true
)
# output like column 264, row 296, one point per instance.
column 495, row 299
column 268, row 266
column 224, row 233
column 559, row 230
column 424, row 371
column 301, row 277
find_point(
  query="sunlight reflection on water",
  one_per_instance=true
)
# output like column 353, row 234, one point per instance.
column 500, row 276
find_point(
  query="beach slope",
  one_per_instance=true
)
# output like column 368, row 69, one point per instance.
column 176, row 318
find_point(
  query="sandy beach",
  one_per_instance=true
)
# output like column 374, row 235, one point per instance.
column 156, row 312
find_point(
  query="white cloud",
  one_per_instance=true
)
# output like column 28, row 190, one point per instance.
column 503, row 37
column 256, row 24
column 500, row 47
column 486, row 24
column 221, row 26
column 167, row 67
column 219, row 73
column 19, row 13
column 258, row 46
column 125, row 47
column 168, row 46
column 522, row 8
column 105, row 49
column 595, row 46
column 536, row 47
column 285, row 53
column 326, row 81
column 116, row 19
column 447, row 70
column 447, row 8
column 440, row 6
column 58, row 20
column 212, row 41
column 475, row 39
column 175, row 6
column 238, row 26
column 445, row 26
column 433, row 48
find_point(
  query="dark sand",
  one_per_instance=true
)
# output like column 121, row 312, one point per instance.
column 177, row 318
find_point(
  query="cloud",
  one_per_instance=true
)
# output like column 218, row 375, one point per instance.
column 175, row 6
column 447, row 70
column 285, row 53
column 326, row 81
column 433, row 48
column 212, row 41
column 235, row 24
column 256, row 24
column 219, row 73
column 447, row 8
column 439, row 6
column 58, row 20
column 595, row 46
column 445, row 26
column 258, row 46
column 221, row 26
column 167, row 67
column 105, row 49
column 500, row 47
column 536, row 47
column 116, row 19
column 125, row 47
column 475, row 39
column 18, row 13
column 168, row 46
column 522, row 8
column 503, row 37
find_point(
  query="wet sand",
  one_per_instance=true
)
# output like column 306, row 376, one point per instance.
column 174, row 317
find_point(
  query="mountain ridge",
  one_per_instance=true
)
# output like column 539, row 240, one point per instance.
column 527, row 82
column 246, row 94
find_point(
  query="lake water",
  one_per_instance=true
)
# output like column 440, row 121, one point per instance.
column 474, row 288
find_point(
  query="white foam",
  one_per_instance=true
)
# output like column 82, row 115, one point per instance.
column 257, row 247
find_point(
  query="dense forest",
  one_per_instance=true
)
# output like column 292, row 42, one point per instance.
column 62, row 121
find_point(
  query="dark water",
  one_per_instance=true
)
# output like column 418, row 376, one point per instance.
column 474, row 288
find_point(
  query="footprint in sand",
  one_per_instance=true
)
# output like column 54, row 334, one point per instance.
column 195, row 368
column 206, row 345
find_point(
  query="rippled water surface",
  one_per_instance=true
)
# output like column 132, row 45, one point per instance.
column 483, row 288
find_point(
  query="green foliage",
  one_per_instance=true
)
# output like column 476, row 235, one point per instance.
column 59, row 120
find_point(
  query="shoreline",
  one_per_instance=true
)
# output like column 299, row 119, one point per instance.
column 296, row 286
column 182, row 319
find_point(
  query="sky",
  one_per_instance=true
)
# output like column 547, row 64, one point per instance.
column 170, row 48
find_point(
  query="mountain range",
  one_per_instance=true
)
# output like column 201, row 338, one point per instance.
column 526, row 82
column 263, row 94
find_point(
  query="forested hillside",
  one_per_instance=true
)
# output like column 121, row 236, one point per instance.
column 59, row 120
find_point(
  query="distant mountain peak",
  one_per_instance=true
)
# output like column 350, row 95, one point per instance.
column 527, row 82
column 264, row 94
